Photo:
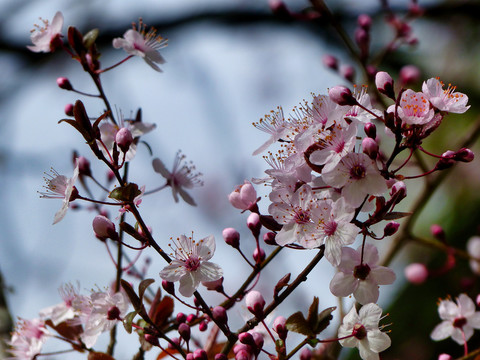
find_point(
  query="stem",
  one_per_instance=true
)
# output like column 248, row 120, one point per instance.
column 114, row 66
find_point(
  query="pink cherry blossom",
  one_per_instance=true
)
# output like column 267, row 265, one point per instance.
column 28, row 339
column 65, row 310
column 191, row 265
column 244, row 196
column 445, row 99
column 414, row 108
column 360, row 278
column 45, row 39
column 459, row 320
column 362, row 331
column 144, row 44
column 274, row 124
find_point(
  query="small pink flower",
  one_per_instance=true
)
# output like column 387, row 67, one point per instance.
column 244, row 196
column 46, row 39
column 65, row 310
column 445, row 100
column 28, row 339
column 414, row 108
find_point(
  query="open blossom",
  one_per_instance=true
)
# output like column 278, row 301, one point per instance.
column 273, row 124
column 445, row 100
column 183, row 176
column 367, row 336
column 65, row 310
column 414, row 108
column 459, row 320
column 60, row 187
column 145, row 44
column 191, row 265
column 45, row 39
column 360, row 278
column 27, row 339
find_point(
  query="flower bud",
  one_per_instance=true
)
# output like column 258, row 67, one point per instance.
column 200, row 354
column 370, row 130
column 176, row 341
column 391, row 228
column 364, row 21
column 255, row 303
column 247, row 339
column 242, row 355
column 84, row 166
column 184, row 331
column 191, row 318
column 384, row 84
column 330, row 61
column 64, row 83
column 444, row 357
column 348, row 72
column 151, row 339
column 221, row 357
column 203, row 326
column 124, row 139
column 370, row 147
column 215, row 285
column 68, row 110
column 306, row 354
column 104, row 229
column 399, row 189
column 416, row 273
column 279, row 325
column 254, row 224
column 362, row 38
column 342, row 95
column 438, row 232
column 446, row 161
column 231, row 237
column 244, row 196
column 258, row 255
column 168, row 287
column 409, row 74
column 464, row 155
column 189, row 356
column 181, row 318
column 220, row 314
column 258, row 342
column 269, row 238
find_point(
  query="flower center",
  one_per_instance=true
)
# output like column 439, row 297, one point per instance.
column 192, row 263
column 361, row 271
column 330, row 228
column 359, row 331
column 302, row 217
column 459, row 322
column 113, row 313
column 357, row 172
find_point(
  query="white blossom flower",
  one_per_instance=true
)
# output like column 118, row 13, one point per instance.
column 360, row 278
column 144, row 44
column 183, row 175
column 445, row 100
column 191, row 265
column 414, row 108
column 44, row 38
column 273, row 124
column 363, row 331
column 65, row 310
column 459, row 320
column 28, row 339
column 60, row 187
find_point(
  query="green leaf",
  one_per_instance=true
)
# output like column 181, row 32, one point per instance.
column 127, row 321
column 323, row 319
column 90, row 38
column 125, row 193
column 297, row 323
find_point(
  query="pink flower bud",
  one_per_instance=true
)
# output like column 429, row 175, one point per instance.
column 203, row 326
column 342, row 95
column 348, row 72
column 242, row 355
column 247, row 339
column 68, row 110
column 64, row 83
column 258, row 255
column 200, row 354
column 189, row 356
column 243, row 197
column 477, row 300
column 416, row 273
column 370, row 147
column 184, row 331
column 258, row 339
column 306, row 354
column 104, row 228
column 269, row 238
column 84, row 166
column 438, row 232
column 181, row 318
column 464, row 155
column 124, row 139
column 215, row 285
column 151, row 339
column 113, row 313
column 168, row 287
column 191, row 318
column 254, row 224
column 330, row 61
column 444, row 357
column 391, row 228
column 255, row 303
column 409, row 74
column 362, row 38
column 364, row 21
column 384, row 84
column 110, row 175
column 446, row 161
column 221, row 357
column 370, row 130
column 279, row 8
column 279, row 325
column 220, row 314
column 231, row 237
column 400, row 189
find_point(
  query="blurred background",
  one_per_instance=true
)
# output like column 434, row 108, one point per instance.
column 228, row 64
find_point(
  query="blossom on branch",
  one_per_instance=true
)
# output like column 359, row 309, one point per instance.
column 27, row 339
column 191, row 265
column 445, row 100
column 47, row 38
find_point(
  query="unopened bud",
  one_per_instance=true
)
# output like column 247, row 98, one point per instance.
column 438, row 232
column 151, row 339
column 370, row 130
column 399, row 189
column 200, row 354
column 181, row 318
column 280, row 327
column 342, row 95
column 409, row 74
column 64, row 83
column 220, row 314
column 446, row 161
column 84, row 166
column 244, row 196
column 247, row 339
column 370, row 147
column 168, row 287
column 184, row 331
column 444, row 357
column 384, row 84
column 362, row 38
column 191, row 318
column 113, row 313
column 221, row 357
column 203, row 326
column 231, row 237
column 215, row 285
column 189, row 356
column 255, row 303
column 364, row 21
column 391, row 228
column 104, row 228
column 124, row 139
column 306, row 354
column 269, row 238
column 464, row 155
column 258, row 255
column 348, row 72
column 242, row 355
column 330, row 61
column 416, row 273
column 254, row 224
column 68, row 109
